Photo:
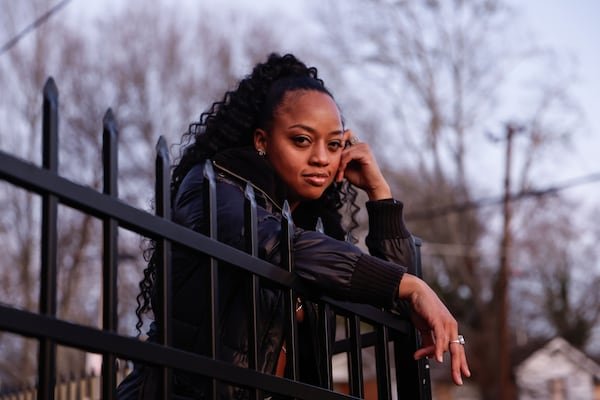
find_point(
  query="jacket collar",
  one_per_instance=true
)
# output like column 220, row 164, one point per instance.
column 246, row 166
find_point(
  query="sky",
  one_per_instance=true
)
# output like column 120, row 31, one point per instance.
column 568, row 27
column 572, row 27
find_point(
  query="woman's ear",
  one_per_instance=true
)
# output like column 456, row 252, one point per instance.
column 260, row 140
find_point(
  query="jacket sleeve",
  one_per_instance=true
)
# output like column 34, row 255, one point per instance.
column 336, row 268
column 388, row 237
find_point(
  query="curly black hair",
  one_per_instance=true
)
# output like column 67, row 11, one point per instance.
column 231, row 123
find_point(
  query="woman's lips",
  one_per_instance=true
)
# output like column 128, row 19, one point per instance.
column 316, row 179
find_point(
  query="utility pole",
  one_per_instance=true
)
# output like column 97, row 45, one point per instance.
column 506, row 387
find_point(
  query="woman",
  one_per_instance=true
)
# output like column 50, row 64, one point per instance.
column 282, row 131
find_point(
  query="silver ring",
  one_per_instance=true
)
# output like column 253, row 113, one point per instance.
column 354, row 140
column 460, row 340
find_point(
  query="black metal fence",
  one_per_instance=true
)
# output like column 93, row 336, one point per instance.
column 392, row 336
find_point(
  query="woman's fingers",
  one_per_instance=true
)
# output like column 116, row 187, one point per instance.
column 448, row 339
column 438, row 328
column 358, row 165
column 441, row 341
column 427, row 351
column 339, row 176
column 427, row 345
column 458, row 359
column 349, row 138
column 459, row 363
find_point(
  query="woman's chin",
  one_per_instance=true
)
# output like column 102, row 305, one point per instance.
column 314, row 194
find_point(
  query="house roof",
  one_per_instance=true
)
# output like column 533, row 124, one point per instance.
column 569, row 352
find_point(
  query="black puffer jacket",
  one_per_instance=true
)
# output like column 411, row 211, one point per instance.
column 334, row 267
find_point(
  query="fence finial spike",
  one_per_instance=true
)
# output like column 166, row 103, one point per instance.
column 249, row 192
column 109, row 120
column 50, row 88
column 161, row 147
column 109, row 125
column 108, row 115
column 286, row 212
column 209, row 171
column 319, row 226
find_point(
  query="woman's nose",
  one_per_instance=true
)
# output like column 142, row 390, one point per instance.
column 319, row 155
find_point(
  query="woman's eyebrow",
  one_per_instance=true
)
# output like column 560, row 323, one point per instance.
column 312, row 130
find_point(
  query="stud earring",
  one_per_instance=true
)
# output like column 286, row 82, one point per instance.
column 261, row 153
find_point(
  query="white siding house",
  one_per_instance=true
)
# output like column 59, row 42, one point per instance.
column 557, row 371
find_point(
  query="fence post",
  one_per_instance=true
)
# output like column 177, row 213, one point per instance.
column 355, row 373
column 414, row 379
column 210, row 215
column 326, row 316
column 382, row 363
column 163, row 265
column 47, row 348
column 110, row 252
column 424, row 377
column 287, row 263
column 251, row 235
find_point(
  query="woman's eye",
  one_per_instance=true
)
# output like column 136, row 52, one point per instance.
column 335, row 145
column 301, row 140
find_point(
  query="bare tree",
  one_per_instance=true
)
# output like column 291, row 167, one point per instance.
column 556, row 271
column 156, row 84
column 444, row 68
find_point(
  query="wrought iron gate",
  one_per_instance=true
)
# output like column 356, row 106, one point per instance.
column 392, row 336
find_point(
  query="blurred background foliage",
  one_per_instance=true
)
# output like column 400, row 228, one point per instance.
column 466, row 113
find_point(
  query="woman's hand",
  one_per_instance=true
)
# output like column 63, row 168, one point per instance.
column 358, row 165
column 438, row 328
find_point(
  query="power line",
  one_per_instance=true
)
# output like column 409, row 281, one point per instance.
column 12, row 42
column 490, row 201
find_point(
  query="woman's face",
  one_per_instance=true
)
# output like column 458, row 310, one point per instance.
column 304, row 144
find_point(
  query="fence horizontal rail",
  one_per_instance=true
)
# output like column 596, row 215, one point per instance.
column 97, row 341
column 36, row 179
column 89, row 200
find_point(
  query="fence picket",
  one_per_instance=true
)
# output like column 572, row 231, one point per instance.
column 49, row 268
column 163, row 210
column 210, row 215
column 287, row 263
column 110, row 252
column 251, row 230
